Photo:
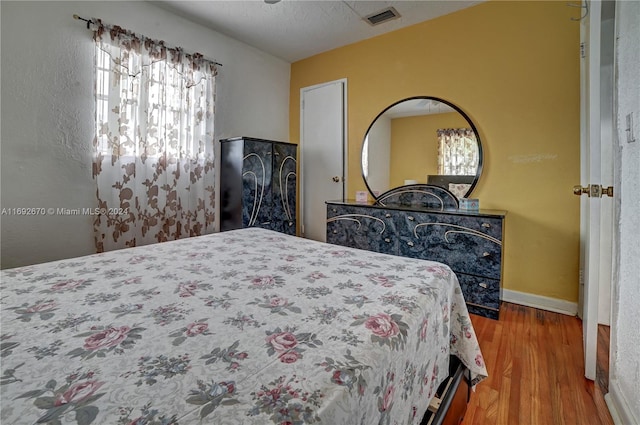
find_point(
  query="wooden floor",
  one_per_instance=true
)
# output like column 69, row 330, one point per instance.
column 536, row 371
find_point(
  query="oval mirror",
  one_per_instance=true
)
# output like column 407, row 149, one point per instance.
column 422, row 140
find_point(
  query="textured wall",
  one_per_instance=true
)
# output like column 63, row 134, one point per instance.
column 625, row 349
column 47, row 111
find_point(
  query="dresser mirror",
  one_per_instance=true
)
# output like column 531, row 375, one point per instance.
column 422, row 140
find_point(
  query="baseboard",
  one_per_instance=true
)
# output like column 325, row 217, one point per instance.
column 538, row 301
column 618, row 406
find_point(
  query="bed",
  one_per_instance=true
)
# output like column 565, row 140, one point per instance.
column 247, row 326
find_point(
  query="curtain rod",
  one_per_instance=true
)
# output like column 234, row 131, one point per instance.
column 89, row 21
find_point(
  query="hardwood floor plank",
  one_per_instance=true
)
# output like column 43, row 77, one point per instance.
column 502, row 416
column 567, row 360
column 602, row 367
column 536, row 371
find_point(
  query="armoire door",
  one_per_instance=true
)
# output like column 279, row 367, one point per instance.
column 284, row 194
column 257, row 177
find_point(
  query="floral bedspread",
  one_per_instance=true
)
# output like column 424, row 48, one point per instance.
column 242, row 327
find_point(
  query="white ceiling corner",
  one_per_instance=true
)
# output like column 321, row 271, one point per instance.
column 296, row 29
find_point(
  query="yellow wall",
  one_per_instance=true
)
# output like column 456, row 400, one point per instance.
column 414, row 145
column 513, row 67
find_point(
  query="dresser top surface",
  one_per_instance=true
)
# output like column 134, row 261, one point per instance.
column 371, row 204
column 234, row 139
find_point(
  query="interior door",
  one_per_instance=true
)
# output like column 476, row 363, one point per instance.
column 595, row 226
column 322, row 153
column 590, row 172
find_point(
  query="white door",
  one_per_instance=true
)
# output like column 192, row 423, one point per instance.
column 608, row 129
column 322, row 153
column 595, row 243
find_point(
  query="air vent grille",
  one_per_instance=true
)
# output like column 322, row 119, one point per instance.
column 382, row 16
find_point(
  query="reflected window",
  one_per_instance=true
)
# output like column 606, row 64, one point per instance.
column 457, row 151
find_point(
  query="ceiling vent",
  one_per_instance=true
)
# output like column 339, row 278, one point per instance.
column 382, row 16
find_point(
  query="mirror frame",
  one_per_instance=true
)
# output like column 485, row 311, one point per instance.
column 457, row 109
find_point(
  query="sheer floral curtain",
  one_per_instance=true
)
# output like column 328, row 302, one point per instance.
column 153, row 149
column 457, row 151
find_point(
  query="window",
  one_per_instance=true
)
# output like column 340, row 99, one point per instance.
column 153, row 149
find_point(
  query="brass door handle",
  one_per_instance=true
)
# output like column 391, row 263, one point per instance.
column 593, row 190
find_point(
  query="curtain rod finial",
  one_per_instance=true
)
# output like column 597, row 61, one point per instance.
column 80, row 18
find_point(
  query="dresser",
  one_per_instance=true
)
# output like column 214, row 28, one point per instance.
column 471, row 243
column 258, row 184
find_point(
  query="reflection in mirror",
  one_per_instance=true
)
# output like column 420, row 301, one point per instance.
column 422, row 140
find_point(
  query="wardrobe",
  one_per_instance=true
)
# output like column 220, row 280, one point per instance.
column 258, row 184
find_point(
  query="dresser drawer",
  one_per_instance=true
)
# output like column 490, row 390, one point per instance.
column 479, row 291
column 363, row 228
column 488, row 227
column 463, row 251
column 467, row 244
column 484, row 312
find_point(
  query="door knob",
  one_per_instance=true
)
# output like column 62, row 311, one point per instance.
column 336, row 179
column 579, row 190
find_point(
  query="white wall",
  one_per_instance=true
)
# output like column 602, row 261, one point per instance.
column 47, row 111
column 624, row 385
column 379, row 154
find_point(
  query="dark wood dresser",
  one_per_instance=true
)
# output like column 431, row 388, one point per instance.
column 471, row 243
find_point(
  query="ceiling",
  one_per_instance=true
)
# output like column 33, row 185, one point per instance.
column 296, row 29
column 413, row 107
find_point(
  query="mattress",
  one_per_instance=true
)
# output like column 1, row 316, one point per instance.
column 242, row 327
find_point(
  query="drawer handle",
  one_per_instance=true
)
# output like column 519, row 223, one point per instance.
column 410, row 218
column 410, row 243
column 387, row 215
column 483, row 285
column 485, row 254
column 334, row 210
column 486, row 225
column 335, row 232
column 291, row 223
column 387, row 240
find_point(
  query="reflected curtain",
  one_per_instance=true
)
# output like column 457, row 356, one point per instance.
column 154, row 146
column 457, row 151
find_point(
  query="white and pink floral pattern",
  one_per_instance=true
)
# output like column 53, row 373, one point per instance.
column 268, row 328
